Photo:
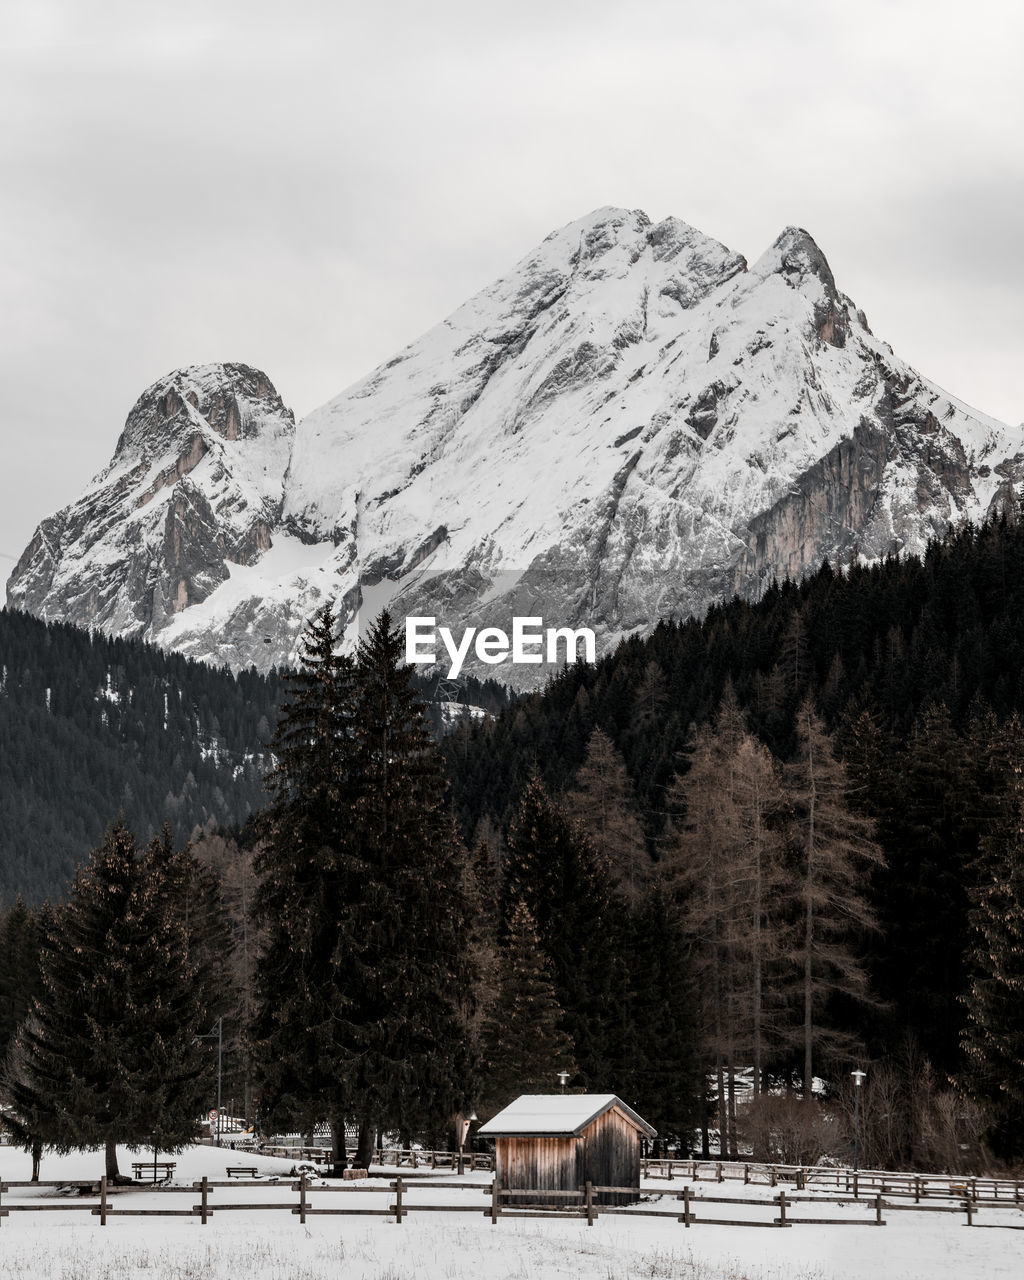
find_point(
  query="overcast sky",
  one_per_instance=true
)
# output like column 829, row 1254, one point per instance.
column 307, row 187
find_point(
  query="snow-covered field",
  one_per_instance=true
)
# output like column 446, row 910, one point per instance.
column 272, row 1245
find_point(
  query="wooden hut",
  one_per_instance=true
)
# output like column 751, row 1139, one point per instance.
column 558, row 1142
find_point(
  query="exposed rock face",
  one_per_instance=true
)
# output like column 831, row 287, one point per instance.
column 629, row 426
column 195, row 484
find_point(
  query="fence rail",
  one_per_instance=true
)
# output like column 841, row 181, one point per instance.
column 855, row 1183
column 414, row 1157
column 689, row 1208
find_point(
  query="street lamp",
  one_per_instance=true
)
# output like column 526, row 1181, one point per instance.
column 217, row 1033
column 563, row 1076
column 858, row 1079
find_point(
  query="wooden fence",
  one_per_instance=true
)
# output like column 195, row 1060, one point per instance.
column 413, row 1157
column 689, row 1208
column 862, row 1182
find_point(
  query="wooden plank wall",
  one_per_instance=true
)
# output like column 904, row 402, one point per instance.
column 539, row 1164
column 612, row 1156
column 607, row 1154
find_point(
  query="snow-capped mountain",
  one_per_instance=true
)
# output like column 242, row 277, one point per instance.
column 629, row 425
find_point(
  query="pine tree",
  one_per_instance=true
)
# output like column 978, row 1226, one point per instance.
column 365, row 982
column 524, row 1046
column 604, row 803
column 19, row 969
column 993, row 1039
column 410, row 966
column 108, row 1054
column 554, row 870
column 660, row 1076
column 21, row 939
column 234, row 869
column 923, row 892
column 309, row 876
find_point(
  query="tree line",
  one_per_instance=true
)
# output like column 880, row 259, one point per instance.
column 115, row 726
column 92, row 727
column 340, row 947
column 743, row 855
column 913, row 670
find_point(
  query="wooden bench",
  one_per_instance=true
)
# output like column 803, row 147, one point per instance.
column 241, row 1171
column 150, row 1167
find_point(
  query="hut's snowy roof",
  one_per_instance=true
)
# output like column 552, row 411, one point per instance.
column 557, row 1115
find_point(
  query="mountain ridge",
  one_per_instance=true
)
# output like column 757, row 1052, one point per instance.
column 630, row 424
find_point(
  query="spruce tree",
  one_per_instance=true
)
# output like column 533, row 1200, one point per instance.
column 21, row 936
column 19, row 969
column 660, row 1076
column 410, row 968
column 308, row 877
column 993, row 1039
column 554, row 870
column 365, row 980
column 108, row 1054
column 604, row 802
column 524, row 1046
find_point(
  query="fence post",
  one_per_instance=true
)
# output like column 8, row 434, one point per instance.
column 398, row 1199
column 670, row 1171
column 494, row 1199
column 782, row 1207
column 856, row 1187
column 590, row 1204
column 774, row 1178
column 204, row 1207
column 302, row 1198
column 103, row 1201
column 878, row 1210
column 718, row 1171
column 969, row 1208
column 686, row 1206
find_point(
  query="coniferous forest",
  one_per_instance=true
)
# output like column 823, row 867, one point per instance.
column 747, row 853
column 92, row 728
column 884, row 704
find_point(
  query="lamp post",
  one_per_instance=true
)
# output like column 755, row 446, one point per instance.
column 563, row 1076
column 858, row 1079
column 217, row 1033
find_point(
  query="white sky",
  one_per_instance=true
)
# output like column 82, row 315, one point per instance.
column 307, row 187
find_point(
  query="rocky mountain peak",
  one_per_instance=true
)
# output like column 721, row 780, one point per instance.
column 229, row 399
column 195, row 485
column 628, row 425
column 795, row 260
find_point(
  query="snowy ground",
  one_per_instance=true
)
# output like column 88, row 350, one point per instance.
column 272, row 1245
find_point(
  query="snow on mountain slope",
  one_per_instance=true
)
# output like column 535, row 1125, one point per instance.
column 195, row 485
column 629, row 425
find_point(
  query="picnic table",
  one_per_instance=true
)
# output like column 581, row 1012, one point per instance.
column 155, row 1170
